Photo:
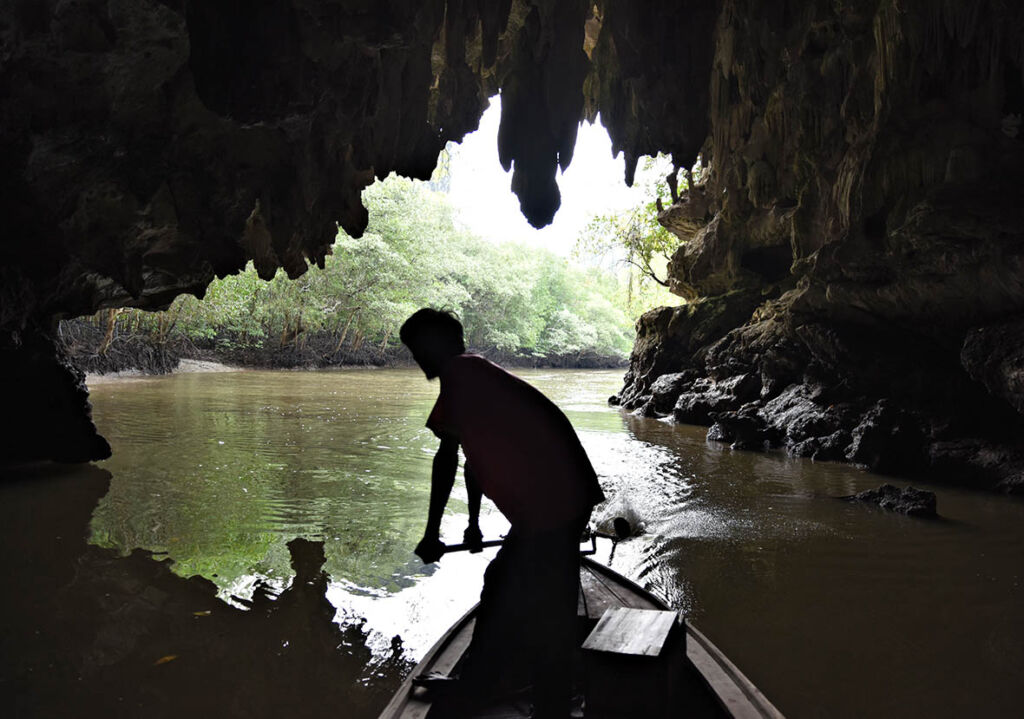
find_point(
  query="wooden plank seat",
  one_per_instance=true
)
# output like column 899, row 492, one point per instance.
column 625, row 630
column 629, row 659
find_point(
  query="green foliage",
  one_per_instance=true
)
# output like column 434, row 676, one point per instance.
column 636, row 239
column 511, row 299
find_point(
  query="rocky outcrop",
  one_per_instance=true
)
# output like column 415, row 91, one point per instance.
column 994, row 356
column 883, row 197
column 52, row 409
column 909, row 501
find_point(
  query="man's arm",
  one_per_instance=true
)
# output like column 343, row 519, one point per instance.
column 472, row 534
column 442, row 477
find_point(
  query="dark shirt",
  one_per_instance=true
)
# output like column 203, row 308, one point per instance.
column 523, row 451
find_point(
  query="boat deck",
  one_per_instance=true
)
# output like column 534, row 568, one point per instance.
column 690, row 676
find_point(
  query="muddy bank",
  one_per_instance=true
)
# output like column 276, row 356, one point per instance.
column 102, row 354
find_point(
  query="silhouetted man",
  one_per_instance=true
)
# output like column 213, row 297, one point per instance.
column 522, row 453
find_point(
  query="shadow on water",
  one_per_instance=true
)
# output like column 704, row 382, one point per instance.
column 91, row 633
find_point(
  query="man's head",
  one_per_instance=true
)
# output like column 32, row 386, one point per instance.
column 432, row 336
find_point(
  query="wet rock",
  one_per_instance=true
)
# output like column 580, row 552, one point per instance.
column 909, row 501
column 53, row 417
column 823, row 449
column 980, row 462
column 887, row 440
column 743, row 428
column 666, row 389
column 994, row 356
column 796, row 415
column 718, row 433
column 764, row 347
column 706, row 398
column 743, row 387
column 695, row 405
column 647, row 409
column 670, row 340
column 635, row 402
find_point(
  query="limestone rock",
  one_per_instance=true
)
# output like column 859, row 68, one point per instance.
column 994, row 356
column 742, row 429
column 795, row 414
column 884, row 223
column 909, row 501
column 886, row 440
column 673, row 339
column 823, row 449
column 666, row 389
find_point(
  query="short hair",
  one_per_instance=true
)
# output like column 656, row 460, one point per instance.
column 438, row 323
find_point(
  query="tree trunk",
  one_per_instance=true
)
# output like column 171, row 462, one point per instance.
column 112, row 314
column 284, row 331
column 344, row 332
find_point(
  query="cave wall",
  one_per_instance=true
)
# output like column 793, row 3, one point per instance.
column 866, row 175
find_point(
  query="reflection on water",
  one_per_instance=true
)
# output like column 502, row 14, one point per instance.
column 833, row 609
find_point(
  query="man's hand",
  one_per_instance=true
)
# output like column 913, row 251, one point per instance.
column 430, row 549
column 474, row 538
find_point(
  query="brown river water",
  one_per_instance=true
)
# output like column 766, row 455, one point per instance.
column 832, row 609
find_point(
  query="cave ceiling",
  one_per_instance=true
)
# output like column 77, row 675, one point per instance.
column 150, row 146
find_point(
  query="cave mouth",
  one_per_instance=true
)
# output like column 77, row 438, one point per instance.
column 554, row 296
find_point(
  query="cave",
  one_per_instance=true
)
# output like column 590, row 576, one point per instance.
column 850, row 276
column 861, row 197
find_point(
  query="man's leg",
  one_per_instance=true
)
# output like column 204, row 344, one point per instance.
column 492, row 652
column 555, row 619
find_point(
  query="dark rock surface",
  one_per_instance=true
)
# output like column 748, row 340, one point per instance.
column 744, row 428
column 909, row 501
column 54, row 405
column 994, row 356
column 881, row 213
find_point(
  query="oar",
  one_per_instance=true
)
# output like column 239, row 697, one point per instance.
column 623, row 530
column 467, row 547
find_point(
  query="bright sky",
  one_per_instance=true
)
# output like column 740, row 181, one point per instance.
column 481, row 190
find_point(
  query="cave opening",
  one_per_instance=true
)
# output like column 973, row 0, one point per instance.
column 567, row 294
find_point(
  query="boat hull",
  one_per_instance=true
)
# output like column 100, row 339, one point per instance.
column 698, row 679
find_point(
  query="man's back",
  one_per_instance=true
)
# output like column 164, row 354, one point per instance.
column 521, row 447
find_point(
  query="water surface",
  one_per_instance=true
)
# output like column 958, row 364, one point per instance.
column 832, row 609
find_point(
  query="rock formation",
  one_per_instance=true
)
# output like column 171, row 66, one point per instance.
column 909, row 501
column 852, row 253
column 866, row 179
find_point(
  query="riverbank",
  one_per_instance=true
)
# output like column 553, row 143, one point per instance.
column 107, row 353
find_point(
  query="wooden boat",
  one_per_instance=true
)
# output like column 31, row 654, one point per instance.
column 688, row 676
